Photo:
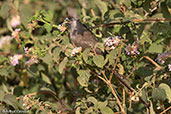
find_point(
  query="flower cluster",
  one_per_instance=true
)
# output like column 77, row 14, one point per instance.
column 112, row 42
column 76, row 50
column 169, row 67
column 31, row 61
column 15, row 21
column 132, row 49
column 4, row 40
column 16, row 34
column 162, row 57
column 62, row 27
column 15, row 59
column 28, row 102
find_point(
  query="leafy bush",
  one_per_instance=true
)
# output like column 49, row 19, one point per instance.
column 42, row 72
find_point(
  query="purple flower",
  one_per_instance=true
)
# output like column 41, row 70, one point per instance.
column 162, row 57
column 15, row 21
column 112, row 42
column 132, row 50
column 4, row 39
column 15, row 59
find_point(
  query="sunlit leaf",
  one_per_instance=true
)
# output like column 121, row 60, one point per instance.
column 83, row 77
column 155, row 48
column 167, row 90
column 62, row 64
column 106, row 110
column 99, row 60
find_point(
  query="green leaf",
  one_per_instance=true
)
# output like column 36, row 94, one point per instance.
column 25, row 13
column 16, row 4
column 47, row 59
column 112, row 57
column 62, row 64
column 143, row 95
column 3, row 72
column 114, row 15
column 100, row 46
column 158, row 94
column 56, row 52
column 165, row 11
column 102, row 7
column 151, row 108
column 106, row 110
column 46, row 78
column 2, row 94
column 99, row 60
column 101, row 105
column 48, row 27
column 147, row 5
column 86, row 54
column 9, row 24
column 167, row 90
column 90, row 110
column 48, row 16
column 11, row 100
column 126, row 2
column 83, row 77
column 5, row 7
column 92, row 100
column 155, row 48
column 77, row 110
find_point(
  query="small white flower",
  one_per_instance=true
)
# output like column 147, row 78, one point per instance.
column 76, row 50
column 169, row 66
column 16, row 33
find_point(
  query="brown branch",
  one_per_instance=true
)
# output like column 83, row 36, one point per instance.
column 166, row 110
column 117, row 99
column 134, row 21
column 113, row 92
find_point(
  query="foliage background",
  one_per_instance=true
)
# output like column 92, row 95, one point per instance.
column 53, row 81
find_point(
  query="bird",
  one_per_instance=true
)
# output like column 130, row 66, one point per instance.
column 79, row 35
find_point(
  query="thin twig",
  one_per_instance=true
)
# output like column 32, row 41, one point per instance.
column 130, row 101
column 123, row 102
column 113, row 92
column 166, row 110
column 131, row 73
column 98, row 76
column 113, row 70
column 117, row 99
column 135, row 21
column 92, row 12
column 104, row 75
column 157, row 65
